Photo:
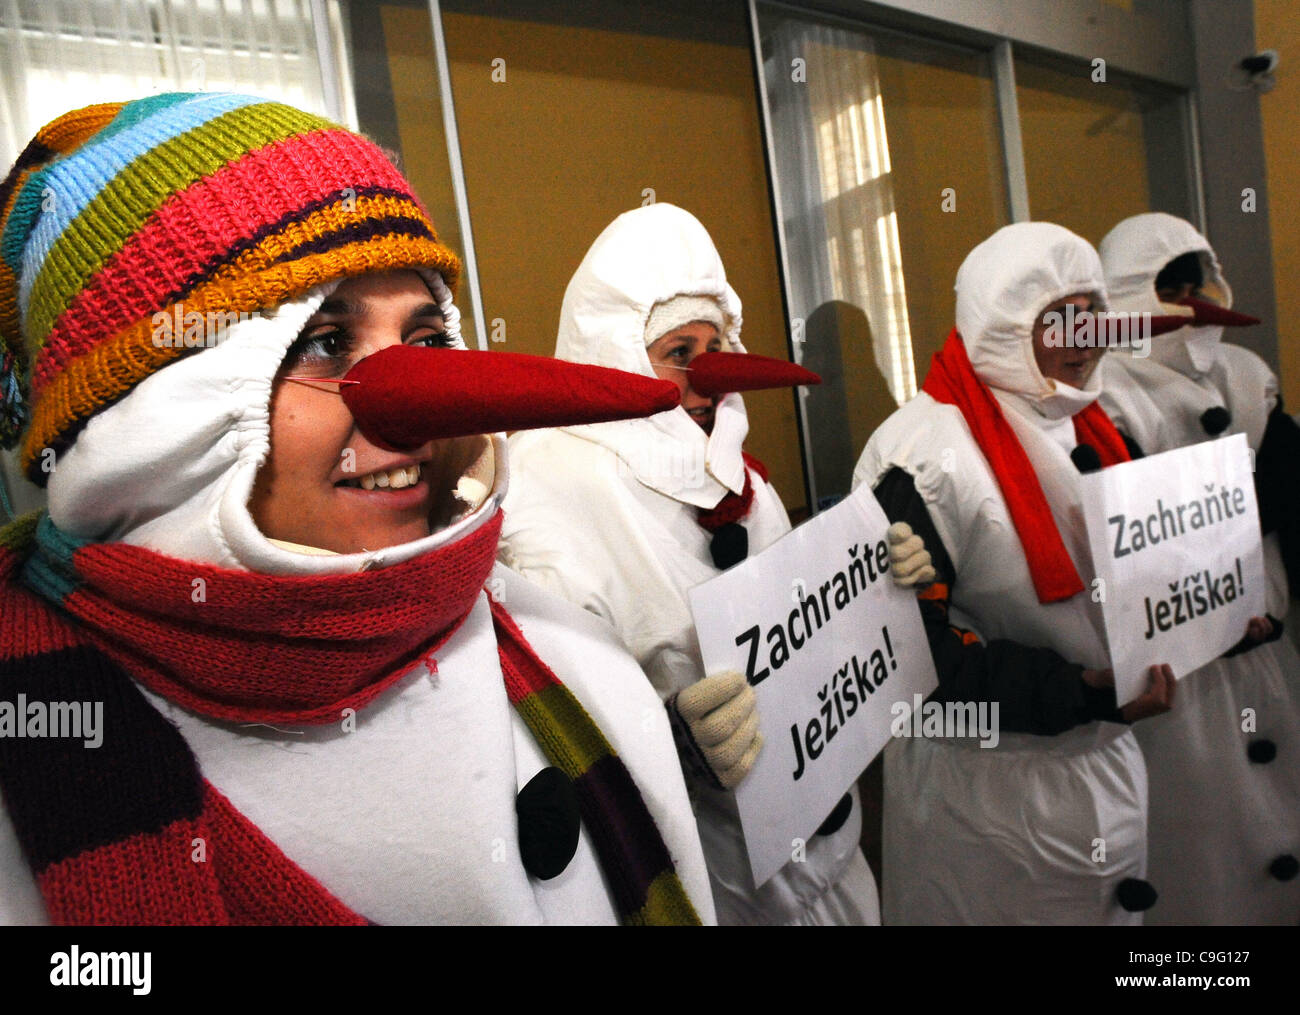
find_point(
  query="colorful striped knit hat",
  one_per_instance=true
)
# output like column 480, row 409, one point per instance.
column 178, row 203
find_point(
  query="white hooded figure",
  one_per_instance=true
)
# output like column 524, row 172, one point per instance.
column 1225, row 816
column 1160, row 400
column 608, row 516
column 1049, row 825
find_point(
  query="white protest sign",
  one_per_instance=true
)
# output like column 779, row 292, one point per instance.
column 1175, row 537
column 829, row 643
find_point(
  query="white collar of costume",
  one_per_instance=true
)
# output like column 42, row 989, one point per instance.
column 1003, row 286
column 171, row 466
column 1133, row 254
column 643, row 258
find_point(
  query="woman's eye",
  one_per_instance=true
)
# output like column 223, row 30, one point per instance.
column 321, row 351
column 430, row 339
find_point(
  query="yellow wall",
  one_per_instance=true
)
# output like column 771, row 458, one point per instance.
column 1278, row 27
column 412, row 68
column 941, row 118
column 1085, row 155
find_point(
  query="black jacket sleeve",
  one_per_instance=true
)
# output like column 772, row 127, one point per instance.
column 1277, row 487
column 1037, row 691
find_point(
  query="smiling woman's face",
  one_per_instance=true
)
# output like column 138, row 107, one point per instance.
column 671, row 355
column 324, row 484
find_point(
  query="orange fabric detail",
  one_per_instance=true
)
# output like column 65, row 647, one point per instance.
column 321, row 223
column 938, row 591
column 72, row 129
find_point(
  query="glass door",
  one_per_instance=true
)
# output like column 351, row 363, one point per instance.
column 888, row 162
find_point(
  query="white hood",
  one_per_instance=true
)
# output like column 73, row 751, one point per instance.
column 642, row 258
column 1003, row 287
column 171, row 466
column 1133, row 254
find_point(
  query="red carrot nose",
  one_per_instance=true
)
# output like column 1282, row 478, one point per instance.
column 1212, row 313
column 718, row 373
column 1156, row 324
column 406, row 396
column 1163, row 323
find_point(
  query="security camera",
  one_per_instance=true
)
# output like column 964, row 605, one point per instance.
column 1259, row 69
column 1260, row 63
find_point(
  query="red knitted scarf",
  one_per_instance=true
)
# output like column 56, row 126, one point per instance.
column 247, row 647
column 952, row 381
column 130, row 831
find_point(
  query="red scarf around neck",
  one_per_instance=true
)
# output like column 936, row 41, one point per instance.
column 952, row 381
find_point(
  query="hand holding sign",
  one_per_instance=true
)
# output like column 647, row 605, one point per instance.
column 1158, row 699
column 717, row 723
column 1259, row 630
column 909, row 560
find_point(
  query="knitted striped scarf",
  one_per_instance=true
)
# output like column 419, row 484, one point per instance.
column 114, row 834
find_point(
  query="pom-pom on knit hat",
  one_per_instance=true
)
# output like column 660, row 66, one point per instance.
column 179, row 203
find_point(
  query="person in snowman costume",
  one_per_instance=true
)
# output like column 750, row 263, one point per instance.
column 1049, row 825
column 267, row 575
column 1225, row 789
column 624, row 518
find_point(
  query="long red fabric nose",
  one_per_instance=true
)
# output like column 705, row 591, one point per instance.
column 1113, row 325
column 1212, row 313
column 719, row 373
column 405, row 396
column 1164, row 323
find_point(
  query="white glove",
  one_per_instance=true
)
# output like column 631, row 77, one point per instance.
column 715, row 722
column 909, row 560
